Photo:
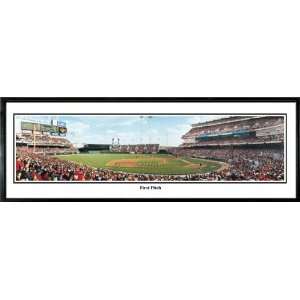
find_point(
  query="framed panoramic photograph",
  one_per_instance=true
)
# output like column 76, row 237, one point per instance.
column 150, row 149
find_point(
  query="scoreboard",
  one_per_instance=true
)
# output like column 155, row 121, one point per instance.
column 60, row 129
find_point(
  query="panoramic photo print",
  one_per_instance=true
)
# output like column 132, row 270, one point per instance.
column 141, row 148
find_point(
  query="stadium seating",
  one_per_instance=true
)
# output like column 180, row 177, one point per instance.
column 250, row 147
column 136, row 148
column 43, row 143
column 261, row 129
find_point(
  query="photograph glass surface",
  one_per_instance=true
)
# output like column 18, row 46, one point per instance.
column 99, row 148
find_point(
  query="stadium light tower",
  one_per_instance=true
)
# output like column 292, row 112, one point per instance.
column 148, row 126
column 149, row 118
column 141, row 129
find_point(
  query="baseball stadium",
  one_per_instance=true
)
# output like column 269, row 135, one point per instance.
column 227, row 148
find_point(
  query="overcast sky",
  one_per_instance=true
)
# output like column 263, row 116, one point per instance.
column 165, row 130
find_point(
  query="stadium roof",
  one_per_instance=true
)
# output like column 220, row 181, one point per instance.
column 228, row 120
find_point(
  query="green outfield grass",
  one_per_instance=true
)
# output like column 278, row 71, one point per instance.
column 161, row 164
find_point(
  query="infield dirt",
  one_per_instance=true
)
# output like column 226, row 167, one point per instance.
column 160, row 164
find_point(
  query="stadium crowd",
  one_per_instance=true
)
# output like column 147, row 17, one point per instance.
column 233, row 141
column 242, row 161
column 241, row 165
column 44, row 144
column 234, row 123
column 47, row 150
column 43, row 140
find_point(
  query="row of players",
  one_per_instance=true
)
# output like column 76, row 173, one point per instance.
column 243, row 165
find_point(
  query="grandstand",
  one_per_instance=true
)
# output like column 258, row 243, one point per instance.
column 236, row 131
column 44, row 138
column 253, row 146
column 94, row 148
column 136, row 148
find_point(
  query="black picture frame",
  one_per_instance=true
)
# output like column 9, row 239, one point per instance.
column 6, row 100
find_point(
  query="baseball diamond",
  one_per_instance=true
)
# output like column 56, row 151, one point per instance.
column 151, row 148
column 160, row 164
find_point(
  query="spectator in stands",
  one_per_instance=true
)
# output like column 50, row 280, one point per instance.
column 243, row 165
